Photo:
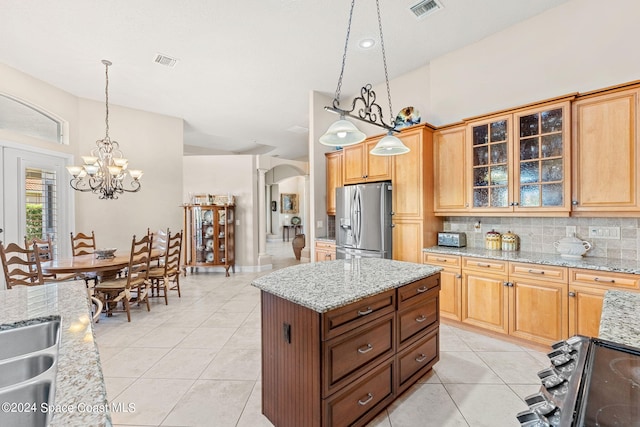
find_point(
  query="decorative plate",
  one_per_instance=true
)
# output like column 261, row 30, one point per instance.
column 295, row 220
column 408, row 116
column 210, row 257
column 208, row 217
column 209, row 243
column 209, row 232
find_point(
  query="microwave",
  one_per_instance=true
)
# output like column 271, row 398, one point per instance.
column 452, row 238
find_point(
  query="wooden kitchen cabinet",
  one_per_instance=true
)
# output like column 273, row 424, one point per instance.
column 518, row 162
column 407, row 240
column 359, row 166
column 450, row 180
column 325, row 251
column 450, row 283
column 334, row 178
column 485, row 299
column 606, row 153
column 586, row 294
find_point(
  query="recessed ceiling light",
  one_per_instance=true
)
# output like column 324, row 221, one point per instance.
column 366, row 43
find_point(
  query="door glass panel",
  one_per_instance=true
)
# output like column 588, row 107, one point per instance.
column 480, row 135
column 529, row 125
column 480, row 177
column 552, row 170
column 498, row 175
column 529, row 195
column 499, row 131
column 551, row 120
column 499, row 153
column 552, row 195
column 480, row 197
column 529, row 148
column 480, row 155
column 499, row 197
column 529, row 172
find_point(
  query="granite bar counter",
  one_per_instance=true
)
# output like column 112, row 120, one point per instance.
column 324, row 286
column 80, row 391
column 587, row 262
column 620, row 320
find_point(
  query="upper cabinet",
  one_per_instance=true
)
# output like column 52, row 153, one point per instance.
column 519, row 162
column 359, row 166
column 605, row 153
column 450, row 180
column 334, row 178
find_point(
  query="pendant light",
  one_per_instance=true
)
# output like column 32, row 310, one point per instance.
column 342, row 132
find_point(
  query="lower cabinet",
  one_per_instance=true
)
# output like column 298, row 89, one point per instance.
column 450, row 283
column 325, row 251
column 342, row 367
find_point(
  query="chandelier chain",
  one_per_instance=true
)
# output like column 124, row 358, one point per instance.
column 106, row 97
column 344, row 55
column 384, row 60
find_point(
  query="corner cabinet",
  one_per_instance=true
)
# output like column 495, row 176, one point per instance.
column 519, row 162
column 210, row 239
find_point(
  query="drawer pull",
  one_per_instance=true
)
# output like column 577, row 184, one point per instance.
column 422, row 289
column 421, row 358
column 441, row 259
column 365, row 312
column 366, row 349
column 367, row 400
column 597, row 279
column 536, row 271
column 483, row 264
column 421, row 319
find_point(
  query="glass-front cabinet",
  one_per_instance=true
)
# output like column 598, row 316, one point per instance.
column 210, row 240
column 519, row 162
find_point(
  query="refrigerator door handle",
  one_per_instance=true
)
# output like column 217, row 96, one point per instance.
column 358, row 217
column 352, row 215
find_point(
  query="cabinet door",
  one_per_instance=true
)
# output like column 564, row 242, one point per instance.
column 606, row 157
column 538, row 310
column 450, row 183
column 585, row 309
column 334, row 179
column 408, row 178
column 353, row 167
column 489, row 154
column 541, row 159
column 377, row 168
column 407, row 241
column 450, row 299
column 484, row 300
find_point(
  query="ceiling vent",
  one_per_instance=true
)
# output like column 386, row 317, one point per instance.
column 165, row 60
column 425, row 8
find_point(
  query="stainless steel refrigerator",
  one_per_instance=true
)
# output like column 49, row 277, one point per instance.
column 363, row 221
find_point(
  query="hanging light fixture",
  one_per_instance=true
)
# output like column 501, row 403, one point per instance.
column 342, row 132
column 105, row 170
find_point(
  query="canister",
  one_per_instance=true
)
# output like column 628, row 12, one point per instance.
column 492, row 240
column 510, row 241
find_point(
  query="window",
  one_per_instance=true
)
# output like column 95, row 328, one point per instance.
column 19, row 117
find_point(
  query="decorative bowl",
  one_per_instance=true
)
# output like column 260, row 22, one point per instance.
column 105, row 253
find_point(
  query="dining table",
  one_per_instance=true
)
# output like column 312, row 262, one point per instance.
column 90, row 263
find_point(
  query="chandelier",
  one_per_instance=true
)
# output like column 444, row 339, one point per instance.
column 342, row 132
column 105, row 170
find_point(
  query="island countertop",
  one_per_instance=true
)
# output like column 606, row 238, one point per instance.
column 80, row 390
column 324, row 286
column 619, row 321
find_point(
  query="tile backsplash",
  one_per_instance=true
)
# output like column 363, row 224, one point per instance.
column 538, row 234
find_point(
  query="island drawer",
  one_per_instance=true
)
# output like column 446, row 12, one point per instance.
column 484, row 264
column 418, row 317
column 414, row 292
column 417, row 359
column 538, row 271
column 343, row 319
column 604, row 278
column 360, row 402
column 348, row 355
column 442, row 260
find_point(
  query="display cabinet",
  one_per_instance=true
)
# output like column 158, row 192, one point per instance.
column 210, row 239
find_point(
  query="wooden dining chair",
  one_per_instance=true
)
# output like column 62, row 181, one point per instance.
column 84, row 244
column 159, row 243
column 21, row 266
column 43, row 249
column 135, row 286
column 170, row 269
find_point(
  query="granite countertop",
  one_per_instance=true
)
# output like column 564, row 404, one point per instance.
column 324, row 286
column 590, row 263
column 619, row 321
column 79, row 382
column 326, row 239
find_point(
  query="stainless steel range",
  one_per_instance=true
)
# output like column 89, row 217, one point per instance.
column 591, row 382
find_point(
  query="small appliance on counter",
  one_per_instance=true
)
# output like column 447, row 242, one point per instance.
column 493, row 240
column 452, row 239
column 591, row 382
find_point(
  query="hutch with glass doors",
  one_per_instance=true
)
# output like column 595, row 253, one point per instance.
column 210, row 239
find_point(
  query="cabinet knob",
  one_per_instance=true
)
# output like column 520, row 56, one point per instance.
column 458, row 276
column 572, row 294
column 574, row 202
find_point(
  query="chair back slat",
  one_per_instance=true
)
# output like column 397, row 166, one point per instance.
column 21, row 266
column 140, row 259
column 45, row 247
column 83, row 244
column 172, row 254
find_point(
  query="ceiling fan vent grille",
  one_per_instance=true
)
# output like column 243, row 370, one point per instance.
column 165, row 60
column 425, row 8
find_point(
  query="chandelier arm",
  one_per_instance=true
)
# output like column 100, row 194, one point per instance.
column 384, row 60
column 336, row 98
column 368, row 112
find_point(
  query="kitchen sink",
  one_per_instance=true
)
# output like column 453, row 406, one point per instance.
column 28, row 367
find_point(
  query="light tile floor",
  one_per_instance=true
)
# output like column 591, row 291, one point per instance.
column 196, row 362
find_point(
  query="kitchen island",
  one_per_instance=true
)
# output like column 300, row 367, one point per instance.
column 620, row 321
column 342, row 339
column 80, row 398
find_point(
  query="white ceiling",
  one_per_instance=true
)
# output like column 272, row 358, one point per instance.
column 245, row 69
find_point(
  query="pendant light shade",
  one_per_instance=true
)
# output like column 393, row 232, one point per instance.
column 342, row 133
column 389, row 146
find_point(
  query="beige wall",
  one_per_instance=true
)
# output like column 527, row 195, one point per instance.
column 151, row 142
